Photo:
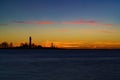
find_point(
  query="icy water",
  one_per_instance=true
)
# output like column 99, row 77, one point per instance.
column 28, row 64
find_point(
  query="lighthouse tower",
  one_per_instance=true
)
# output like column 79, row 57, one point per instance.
column 30, row 42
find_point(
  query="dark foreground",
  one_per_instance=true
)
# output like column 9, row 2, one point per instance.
column 25, row 64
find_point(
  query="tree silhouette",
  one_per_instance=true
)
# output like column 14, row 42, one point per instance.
column 4, row 45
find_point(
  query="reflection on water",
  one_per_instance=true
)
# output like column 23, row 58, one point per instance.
column 59, row 65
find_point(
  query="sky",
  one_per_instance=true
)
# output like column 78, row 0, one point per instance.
column 66, row 23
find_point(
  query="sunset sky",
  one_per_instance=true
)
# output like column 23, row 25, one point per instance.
column 66, row 23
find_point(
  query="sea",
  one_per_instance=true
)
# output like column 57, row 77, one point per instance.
column 50, row 64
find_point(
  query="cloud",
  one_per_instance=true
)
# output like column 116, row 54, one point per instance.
column 87, row 22
column 94, row 30
column 35, row 22
column 108, row 25
column 22, row 22
column 91, row 22
column 100, row 31
column 73, row 22
column 106, row 31
column 67, row 44
column 44, row 22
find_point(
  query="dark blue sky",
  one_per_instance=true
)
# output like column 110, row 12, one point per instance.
column 60, row 10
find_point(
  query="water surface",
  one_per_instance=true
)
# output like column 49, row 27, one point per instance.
column 25, row 64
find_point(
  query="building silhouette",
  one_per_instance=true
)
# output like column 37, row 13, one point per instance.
column 11, row 45
column 52, row 46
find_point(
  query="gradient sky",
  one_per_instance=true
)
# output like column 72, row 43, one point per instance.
column 67, row 23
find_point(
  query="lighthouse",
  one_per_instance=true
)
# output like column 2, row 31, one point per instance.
column 30, row 42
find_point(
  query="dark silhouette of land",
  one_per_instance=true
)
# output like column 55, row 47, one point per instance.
column 6, row 45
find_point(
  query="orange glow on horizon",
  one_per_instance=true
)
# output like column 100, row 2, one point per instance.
column 76, row 45
column 79, row 45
